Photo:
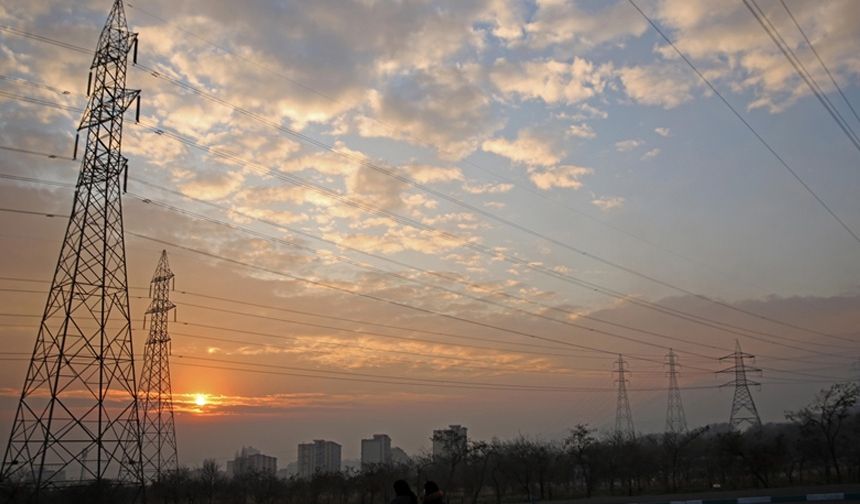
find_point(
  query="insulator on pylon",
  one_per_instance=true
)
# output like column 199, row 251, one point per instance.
column 75, row 152
column 90, row 83
column 134, row 55
column 137, row 112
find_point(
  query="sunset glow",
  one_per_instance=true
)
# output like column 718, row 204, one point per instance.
column 200, row 400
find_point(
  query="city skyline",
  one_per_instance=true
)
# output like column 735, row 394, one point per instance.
column 461, row 221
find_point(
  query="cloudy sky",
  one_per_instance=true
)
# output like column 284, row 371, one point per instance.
column 392, row 216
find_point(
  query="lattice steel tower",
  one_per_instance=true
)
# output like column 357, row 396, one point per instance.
column 623, row 417
column 676, row 421
column 78, row 410
column 159, row 431
column 743, row 406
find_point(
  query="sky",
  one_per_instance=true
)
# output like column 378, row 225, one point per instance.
column 388, row 217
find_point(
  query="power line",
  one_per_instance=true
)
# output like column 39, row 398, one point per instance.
column 479, row 299
column 439, row 194
column 410, row 222
column 386, row 350
column 447, row 386
column 801, row 70
column 749, row 126
column 815, row 52
column 344, row 290
column 410, row 339
column 413, row 280
column 492, row 173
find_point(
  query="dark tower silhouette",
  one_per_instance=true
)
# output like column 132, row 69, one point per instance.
column 77, row 417
column 623, row 417
column 743, row 406
column 159, row 431
column 676, row 421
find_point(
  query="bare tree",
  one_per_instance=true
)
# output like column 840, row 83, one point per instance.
column 826, row 417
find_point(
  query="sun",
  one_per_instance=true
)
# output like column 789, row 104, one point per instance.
column 200, row 399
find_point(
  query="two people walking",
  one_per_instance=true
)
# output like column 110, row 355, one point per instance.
column 404, row 494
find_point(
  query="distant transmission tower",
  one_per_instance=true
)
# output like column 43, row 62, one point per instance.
column 623, row 417
column 78, row 408
column 676, row 421
column 159, row 431
column 743, row 406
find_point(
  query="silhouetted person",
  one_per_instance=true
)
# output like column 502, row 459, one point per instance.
column 403, row 494
column 432, row 494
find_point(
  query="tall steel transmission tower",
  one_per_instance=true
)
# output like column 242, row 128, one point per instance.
column 78, row 410
column 623, row 417
column 159, row 431
column 743, row 406
column 676, row 421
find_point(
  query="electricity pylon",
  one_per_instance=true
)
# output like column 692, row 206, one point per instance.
column 159, row 431
column 78, row 409
column 743, row 406
column 623, row 417
column 676, row 421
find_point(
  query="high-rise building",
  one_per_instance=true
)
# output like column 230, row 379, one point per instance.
column 449, row 442
column 321, row 456
column 251, row 461
column 376, row 450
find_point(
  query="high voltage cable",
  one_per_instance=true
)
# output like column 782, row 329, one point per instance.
column 411, row 222
column 749, row 126
column 207, row 218
column 270, row 238
column 668, row 311
column 452, row 385
column 456, row 201
column 498, row 368
column 341, row 289
column 344, row 329
column 344, row 290
column 269, row 335
column 464, row 385
column 718, row 302
column 800, row 69
column 491, row 173
column 363, row 322
column 479, row 299
column 352, row 345
column 447, row 277
column 823, row 65
column 458, row 293
column 492, row 216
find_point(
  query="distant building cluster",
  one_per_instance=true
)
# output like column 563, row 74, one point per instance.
column 250, row 461
column 323, row 456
